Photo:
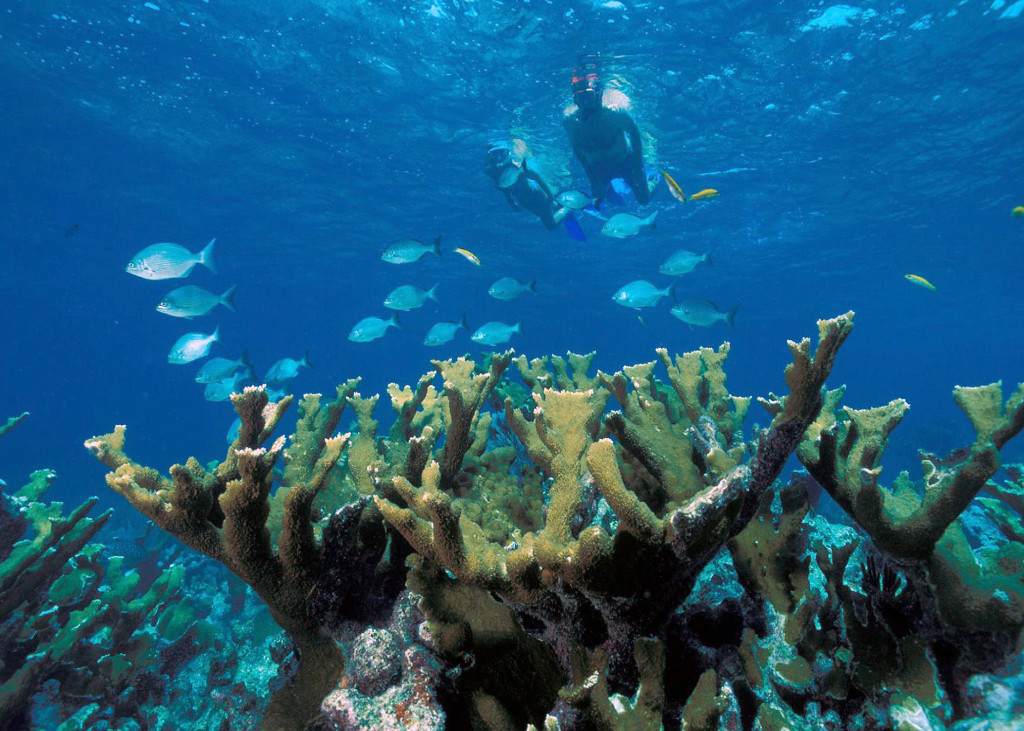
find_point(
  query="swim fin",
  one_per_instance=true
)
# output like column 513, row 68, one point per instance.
column 612, row 197
column 573, row 228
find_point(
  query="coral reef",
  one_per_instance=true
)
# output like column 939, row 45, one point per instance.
column 608, row 551
column 75, row 624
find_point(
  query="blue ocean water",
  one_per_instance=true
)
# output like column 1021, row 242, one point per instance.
column 850, row 145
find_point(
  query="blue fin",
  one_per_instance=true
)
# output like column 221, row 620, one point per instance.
column 573, row 228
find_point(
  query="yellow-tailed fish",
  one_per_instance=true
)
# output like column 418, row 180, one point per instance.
column 469, row 255
column 1018, row 212
column 920, row 280
column 673, row 188
column 704, row 195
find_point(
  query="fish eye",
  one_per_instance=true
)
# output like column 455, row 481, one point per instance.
column 131, row 265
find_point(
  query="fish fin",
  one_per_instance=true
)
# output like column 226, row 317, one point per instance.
column 216, row 334
column 671, row 290
column 432, row 293
column 730, row 317
column 463, row 322
column 532, row 286
column 436, row 243
column 518, row 328
column 206, row 256
column 228, row 298
column 573, row 228
column 707, row 259
column 247, row 363
column 305, row 359
column 394, row 321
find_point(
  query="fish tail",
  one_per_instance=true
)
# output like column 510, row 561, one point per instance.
column 532, row 286
column 650, row 220
column 670, row 290
column 436, row 243
column 394, row 321
column 206, row 256
column 730, row 317
column 216, row 335
column 305, row 359
column 432, row 293
column 707, row 259
column 247, row 363
column 517, row 328
column 228, row 298
column 463, row 323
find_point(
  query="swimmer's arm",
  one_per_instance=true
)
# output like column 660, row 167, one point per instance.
column 535, row 177
column 636, row 158
column 635, row 141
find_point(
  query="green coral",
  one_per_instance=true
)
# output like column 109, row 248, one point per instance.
column 555, row 540
column 57, row 593
column 223, row 513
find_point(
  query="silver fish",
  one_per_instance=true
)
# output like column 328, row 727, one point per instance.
column 623, row 225
column 701, row 312
column 495, row 333
column 169, row 261
column 641, row 293
column 407, row 297
column 192, row 346
column 217, row 369
column 222, row 390
column 191, row 301
column 286, row 369
column 234, row 430
column 406, row 251
column 574, row 200
column 371, row 328
column 508, row 288
column 683, row 262
column 444, row 332
column 276, row 394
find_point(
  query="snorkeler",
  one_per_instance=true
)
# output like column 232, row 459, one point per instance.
column 605, row 138
column 522, row 186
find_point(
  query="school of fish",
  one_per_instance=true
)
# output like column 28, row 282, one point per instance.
column 220, row 377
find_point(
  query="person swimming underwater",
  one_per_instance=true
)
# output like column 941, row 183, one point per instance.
column 605, row 138
column 523, row 187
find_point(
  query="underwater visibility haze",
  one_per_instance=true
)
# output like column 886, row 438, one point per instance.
column 200, row 197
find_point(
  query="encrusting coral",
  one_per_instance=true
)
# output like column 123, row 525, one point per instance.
column 565, row 555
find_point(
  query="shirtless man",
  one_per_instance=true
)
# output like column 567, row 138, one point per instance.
column 605, row 139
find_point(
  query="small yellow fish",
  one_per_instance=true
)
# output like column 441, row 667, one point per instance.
column 704, row 195
column 920, row 280
column 469, row 255
column 673, row 188
column 1018, row 212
